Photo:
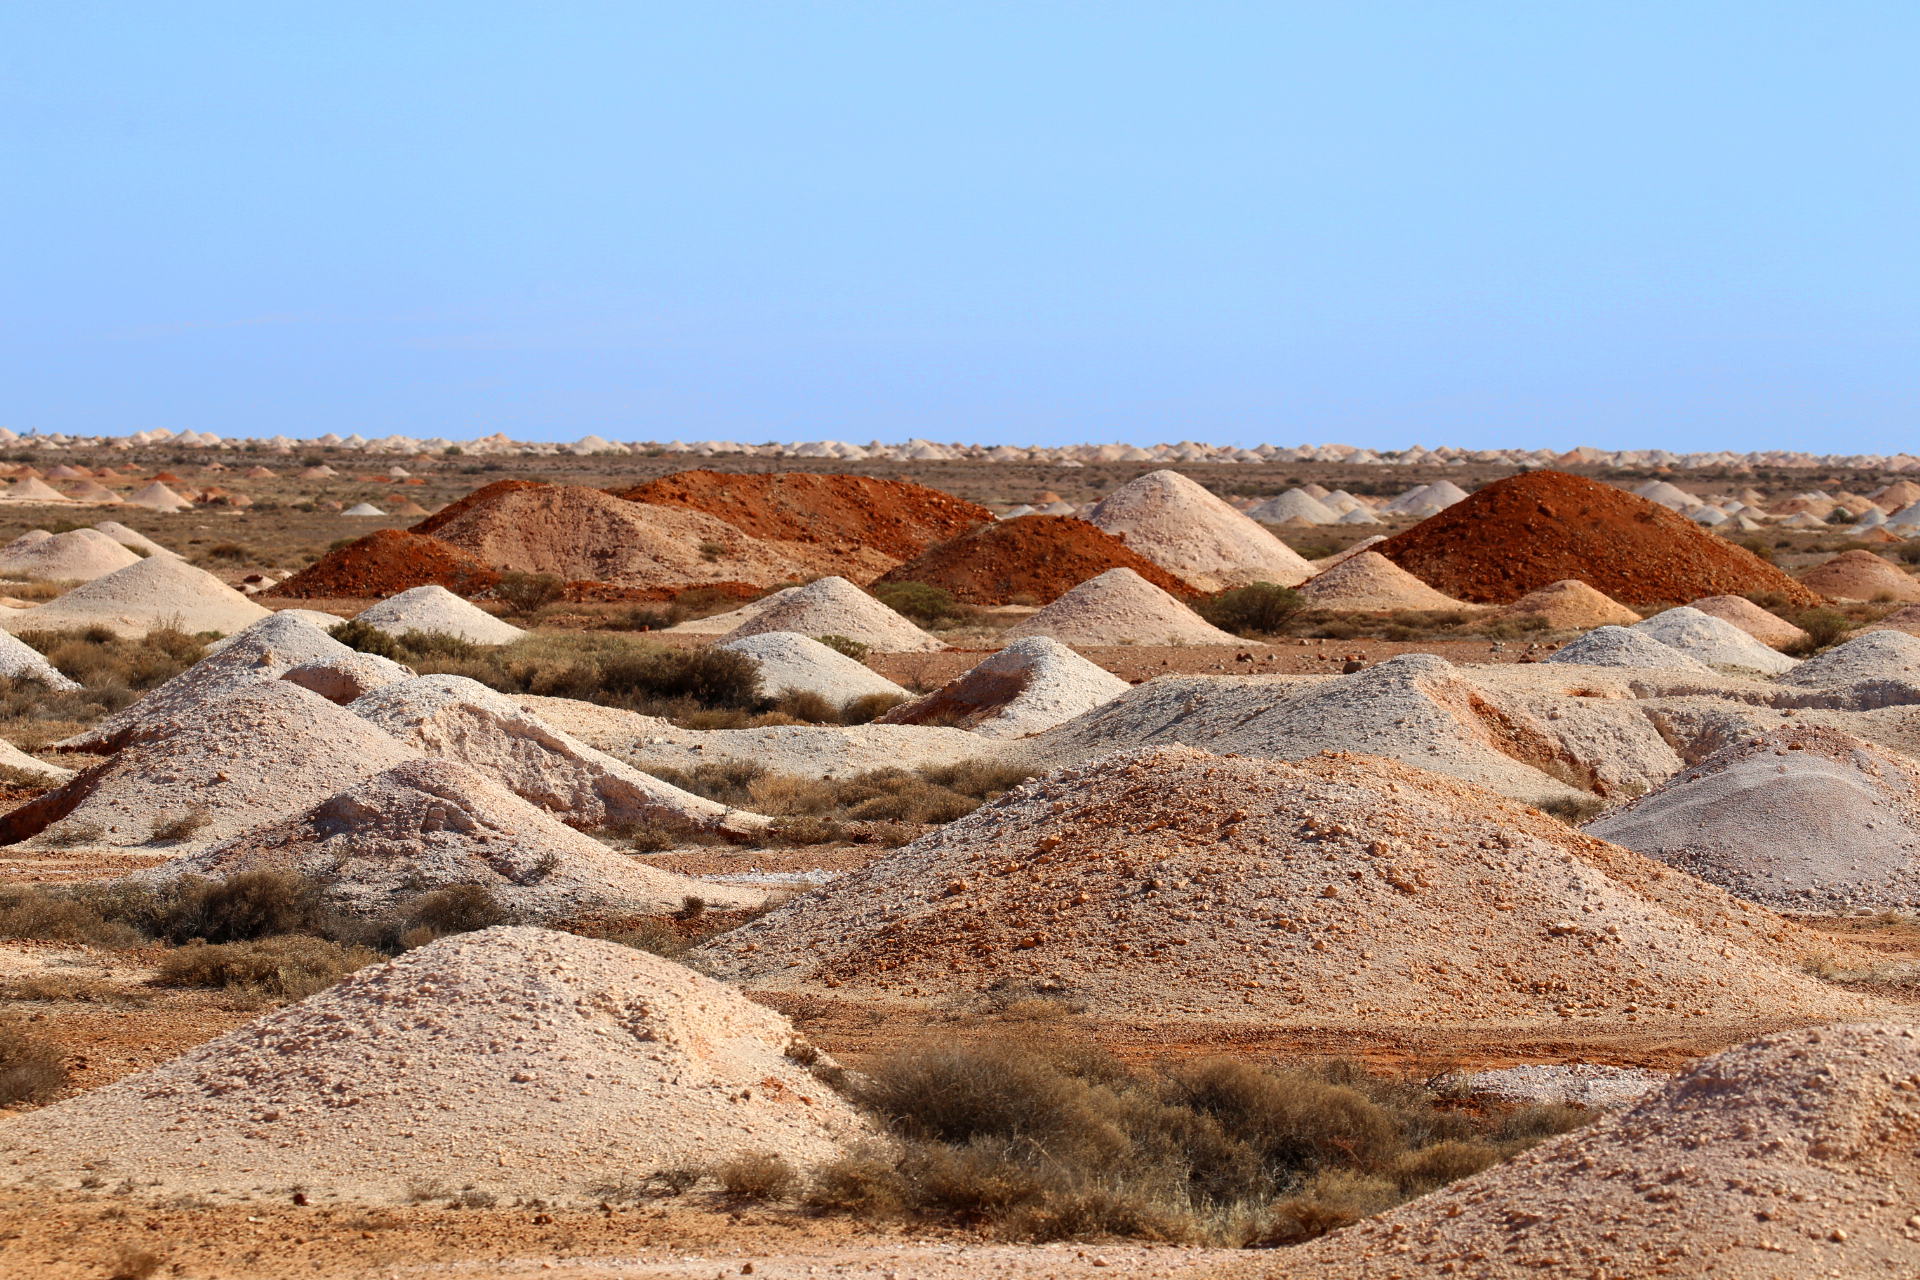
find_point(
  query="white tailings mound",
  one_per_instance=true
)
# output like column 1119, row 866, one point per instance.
column 435, row 610
column 1785, row 1159
column 12, row 757
column 157, row 497
column 1572, row 605
column 344, row 677
column 1714, row 641
column 21, row 661
column 1294, row 504
column 1195, row 536
column 1625, row 647
column 1805, row 818
column 264, row 651
column 719, row 624
column 1875, row 655
column 158, row 591
column 431, row 824
column 1028, row 687
column 37, row 491
column 1327, row 562
column 1173, row 885
column 789, row 660
column 1767, row 628
column 455, row 718
column 79, row 555
column 1369, row 581
column 1119, row 607
column 835, row 607
column 253, row 756
column 133, row 538
column 516, row 1062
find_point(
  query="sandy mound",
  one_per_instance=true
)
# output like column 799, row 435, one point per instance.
column 1028, row 687
column 1294, row 504
column 835, row 607
column 1522, row 533
column 1325, row 563
column 1873, row 655
column 719, row 624
column 21, row 661
column 158, row 591
column 157, row 497
column 258, row 753
column 789, row 660
column 1860, row 575
column 12, row 757
column 1625, row 647
column 1371, row 582
column 345, row 677
column 1572, row 605
column 1768, row 628
column 1119, row 607
column 436, row 610
column 1714, row 641
column 455, row 718
column 1789, row 1157
column 92, row 491
column 1806, row 818
column 1034, row 558
column 1171, row 884
column 387, row 562
column 517, row 1062
column 430, row 824
column 1195, row 536
column 131, row 538
column 363, row 509
column 32, row 490
column 79, row 555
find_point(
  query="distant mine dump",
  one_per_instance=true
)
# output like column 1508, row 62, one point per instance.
column 1194, row 535
column 835, row 607
column 158, row 591
column 1119, row 607
column 1028, row 687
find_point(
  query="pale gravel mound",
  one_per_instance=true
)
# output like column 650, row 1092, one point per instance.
column 516, row 1062
column 455, row 718
column 79, row 555
column 1789, row 1157
column 1768, row 628
column 254, row 755
column 1169, row 885
column 12, row 757
column 789, row 660
column 433, row 824
column 1119, row 607
column 1195, row 536
column 34, row 490
column 1325, row 563
column 1293, row 504
column 1370, row 581
column 158, row 591
column 719, row 624
column 1906, row 618
column 1861, row 575
column 1572, row 605
column 437, row 611
column 261, row 652
column 1714, row 641
column 31, row 538
column 1625, row 647
column 1805, row 818
column 1416, row 708
column 835, row 607
column 21, row 661
column 132, row 538
column 348, row 676
column 157, row 497
column 363, row 509
column 1583, row 1084
column 1874, row 655
column 1027, row 688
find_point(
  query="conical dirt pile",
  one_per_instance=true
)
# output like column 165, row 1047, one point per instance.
column 1028, row 687
column 1873, row 655
column 1861, row 575
column 158, row 591
column 434, row 610
column 344, row 677
column 157, row 497
column 1522, row 533
column 835, row 607
column 1119, row 607
column 1195, row 536
column 1572, row 605
column 131, row 538
column 387, row 562
column 514, row 1063
column 1371, row 582
column 1714, row 641
column 1626, row 647
column 1027, row 560
column 1768, row 628
column 1172, row 885
column 789, row 660
column 1365, row 544
column 21, row 661
column 37, row 491
column 1294, row 504
column 79, row 555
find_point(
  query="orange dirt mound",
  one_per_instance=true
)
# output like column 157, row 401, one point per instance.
column 385, row 563
column 898, row 519
column 1042, row 557
column 1861, row 575
column 481, row 497
column 1527, row 531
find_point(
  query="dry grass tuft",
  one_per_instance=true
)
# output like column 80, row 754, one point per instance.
column 757, row 1175
column 32, row 1070
column 289, row 968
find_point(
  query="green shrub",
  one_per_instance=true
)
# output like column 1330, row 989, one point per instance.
column 528, row 593
column 921, row 602
column 855, row 649
column 1260, row 608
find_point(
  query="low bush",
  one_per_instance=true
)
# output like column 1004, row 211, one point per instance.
column 1824, row 627
column 855, row 649
column 1258, row 609
column 32, row 912
column 290, row 968
column 934, row 794
column 528, row 593
column 757, row 1175
column 923, row 603
column 32, row 1070
column 613, row 670
column 410, row 647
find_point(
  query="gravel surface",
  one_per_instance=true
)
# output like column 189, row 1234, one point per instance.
column 1119, row 607
column 835, row 607
column 1714, row 641
column 79, row 555
column 1624, row 647
column 1583, row 1084
column 1028, row 687
column 1371, row 582
column 1195, row 536
column 436, row 610
column 789, row 660
column 1572, row 605
column 1767, row 628
column 1875, row 655
column 155, row 592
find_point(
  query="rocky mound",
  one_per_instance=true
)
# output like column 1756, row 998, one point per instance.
column 387, row 562
column 219, row 768
column 789, row 660
column 1786, row 1158
column 835, row 607
column 1028, row 560
column 1872, row 655
column 1625, row 647
column 1195, row 536
column 432, row 824
column 79, row 555
column 1172, row 885
column 434, row 610
column 1027, row 688
column 1294, row 504
column 1371, row 582
column 1527, row 531
column 158, row 591
column 1768, row 628
column 1860, row 575
column 345, row 677
column 21, row 661
column 1714, row 641
column 131, row 538
column 1572, row 605
column 719, row 624
column 511, row 1063
column 32, row 490
column 157, row 497
column 1119, row 607
column 1806, row 818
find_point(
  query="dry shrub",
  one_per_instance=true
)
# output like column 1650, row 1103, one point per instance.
column 56, row 987
column 869, row 707
column 242, row 907
column 1573, row 810
column 757, row 1175
column 847, row 646
column 440, row 913
column 657, row 937
column 31, row 1070
column 934, row 794
column 134, row 1263
column 1824, row 627
column 28, row 912
column 290, row 968
column 104, row 663
column 1257, row 609
column 184, row 826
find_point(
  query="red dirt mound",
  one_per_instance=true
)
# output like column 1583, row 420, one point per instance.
column 387, row 562
column 478, row 498
column 1522, row 533
column 893, row 517
column 1042, row 557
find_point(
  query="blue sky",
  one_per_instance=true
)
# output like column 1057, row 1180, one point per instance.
column 1680, row 225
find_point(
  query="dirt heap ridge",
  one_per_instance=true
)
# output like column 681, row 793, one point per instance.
column 1028, row 687
column 21, row 661
column 79, row 555
column 437, row 611
column 1194, row 535
column 835, row 607
column 1173, row 885
column 1371, row 582
column 132, row 539
column 158, row 591
column 1805, row 818
column 1714, row 641
column 1860, row 575
column 789, row 660
column 1789, row 1157
column 384, row 563
column 1119, row 607
column 1627, row 647
column 1768, row 628
column 1873, row 655
column 1028, row 560
column 1572, row 605
column 514, row 1062
column 1522, row 533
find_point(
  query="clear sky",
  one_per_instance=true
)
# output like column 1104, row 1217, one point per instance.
column 1686, row 225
